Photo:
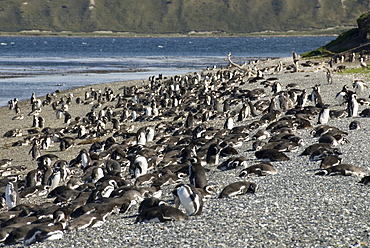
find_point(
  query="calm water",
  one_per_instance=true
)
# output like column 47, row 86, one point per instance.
column 43, row 65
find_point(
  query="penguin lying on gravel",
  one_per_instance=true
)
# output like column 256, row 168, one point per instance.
column 238, row 188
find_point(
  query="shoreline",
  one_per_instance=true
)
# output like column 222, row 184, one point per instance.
column 320, row 33
column 292, row 208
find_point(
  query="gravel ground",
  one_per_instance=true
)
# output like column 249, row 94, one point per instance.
column 294, row 208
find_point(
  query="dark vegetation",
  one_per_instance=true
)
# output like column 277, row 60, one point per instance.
column 179, row 17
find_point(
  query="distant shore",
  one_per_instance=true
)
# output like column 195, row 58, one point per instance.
column 335, row 31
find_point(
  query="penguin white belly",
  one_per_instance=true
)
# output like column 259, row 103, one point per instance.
column 188, row 200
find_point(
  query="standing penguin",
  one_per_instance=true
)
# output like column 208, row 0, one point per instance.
column 315, row 96
column 190, row 199
column 244, row 112
column 54, row 179
column 11, row 192
column 197, row 173
column 229, row 123
column 324, row 115
column 150, row 132
column 352, row 105
column 329, row 78
column 141, row 136
column 35, row 149
column 213, row 154
column 141, row 166
column 85, row 158
column 189, row 122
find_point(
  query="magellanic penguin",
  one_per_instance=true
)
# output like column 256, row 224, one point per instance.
column 271, row 155
column 161, row 213
column 213, row 154
column 238, row 188
column 329, row 161
column 149, row 203
column 342, row 169
column 191, row 199
column 261, row 169
column 11, row 192
column 141, row 166
column 43, row 233
column 341, row 97
column 324, row 115
column 233, row 163
column 197, row 173
column 355, row 125
column 352, row 105
column 359, row 86
column 229, row 122
column 141, row 137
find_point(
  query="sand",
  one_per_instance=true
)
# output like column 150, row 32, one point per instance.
column 294, row 208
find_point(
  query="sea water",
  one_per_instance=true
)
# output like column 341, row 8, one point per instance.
column 45, row 64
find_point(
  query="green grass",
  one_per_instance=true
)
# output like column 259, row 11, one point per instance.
column 357, row 70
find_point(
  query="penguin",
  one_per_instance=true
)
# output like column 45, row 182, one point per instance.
column 276, row 87
column 85, row 221
column 66, row 143
column 190, row 121
column 41, row 122
column 149, row 203
column 96, row 174
column 150, row 132
column 352, row 105
column 329, row 77
column 35, row 121
column 11, row 192
column 229, row 123
column 54, row 179
column 141, row 137
column 315, row 96
column 197, row 173
column 46, row 142
column 341, row 97
column 302, row 99
column 355, row 125
column 213, row 154
column 233, row 163
column 35, row 149
column 271, row 155
column 324, row 115
column 312, row 148
column 190, row 199
column 85, row 158
column 43, row 233
column 161, row 213
column 140, row 166
column 261, row 169
column 244, row 112
column 329, row 161
column 342, row 169
column 365, row 180
column 359, row 86
column 238, row 188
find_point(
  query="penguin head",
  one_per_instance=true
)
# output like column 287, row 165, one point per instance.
column 252, row 188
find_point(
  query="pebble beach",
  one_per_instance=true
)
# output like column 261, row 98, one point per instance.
column 293, row 208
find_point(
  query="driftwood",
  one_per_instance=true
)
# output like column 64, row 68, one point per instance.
column 241, row 67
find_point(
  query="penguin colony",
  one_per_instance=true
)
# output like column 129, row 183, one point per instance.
column 141, row 143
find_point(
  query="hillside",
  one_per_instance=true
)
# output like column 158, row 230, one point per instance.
column 355, row 40
column 178, row 16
